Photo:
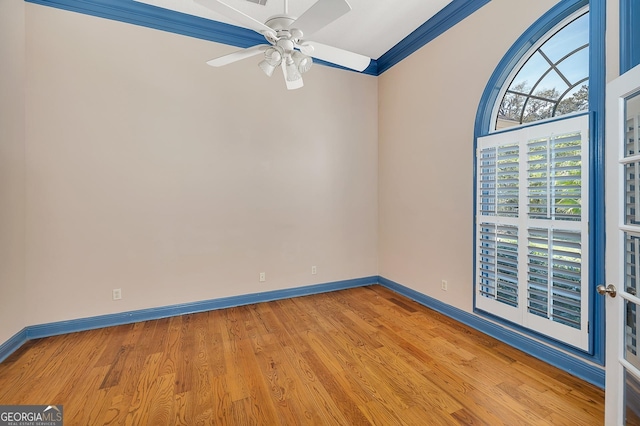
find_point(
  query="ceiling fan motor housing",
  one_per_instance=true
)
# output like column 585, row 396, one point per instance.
column 280, row 22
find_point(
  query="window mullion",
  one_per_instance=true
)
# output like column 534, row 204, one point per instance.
column 550, row 274
column 523, row 221
column 550, row 213
column 636, row 192
column 636, row 137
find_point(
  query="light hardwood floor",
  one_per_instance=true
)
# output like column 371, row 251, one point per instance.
column 359, row 356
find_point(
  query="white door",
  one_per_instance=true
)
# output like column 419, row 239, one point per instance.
column 622, row 384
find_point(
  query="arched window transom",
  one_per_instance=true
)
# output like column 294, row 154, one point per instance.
column 553, row 81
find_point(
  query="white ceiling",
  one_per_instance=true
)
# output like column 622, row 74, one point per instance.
column 371, row 28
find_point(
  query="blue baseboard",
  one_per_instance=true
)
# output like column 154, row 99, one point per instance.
column 579, row 368
column 13, row 344
column 586, row 371
column 82, row 324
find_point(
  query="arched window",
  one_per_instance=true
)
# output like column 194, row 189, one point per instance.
column 553, row 81
column 532, row 187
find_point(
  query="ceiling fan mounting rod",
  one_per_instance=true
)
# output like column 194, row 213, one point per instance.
column 286, row 7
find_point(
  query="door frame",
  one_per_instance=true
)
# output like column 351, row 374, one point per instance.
column 617, row 91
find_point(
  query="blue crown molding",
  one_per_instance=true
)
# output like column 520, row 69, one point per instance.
column 629, row 34
column 145, row 15
column 149, row 16
column 579, row 368
column 453, row 13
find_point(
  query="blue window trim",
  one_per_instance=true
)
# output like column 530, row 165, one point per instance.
column 629, row 34
column 145, row 15
column 597, row 83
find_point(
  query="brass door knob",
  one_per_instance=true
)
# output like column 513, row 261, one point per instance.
column 610, row 290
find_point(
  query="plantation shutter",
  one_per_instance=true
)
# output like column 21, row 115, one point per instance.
column 498, row 209
column 532, row 228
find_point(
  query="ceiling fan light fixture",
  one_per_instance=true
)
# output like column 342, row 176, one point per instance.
column 267, row 67
column 292, row 70
column 273, row 55
column 302, row 61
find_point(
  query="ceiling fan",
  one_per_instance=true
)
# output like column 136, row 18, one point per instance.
column 288, row 47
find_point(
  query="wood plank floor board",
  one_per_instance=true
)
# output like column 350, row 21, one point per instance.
column 84, row 395
column 286, row 387
column 498, row 404
column 318, row 394
column 202, row 377
column 171, row 346
column 418, row 391
column 343, row 396
column 465, row 417
column 48, row 362
column 101, row 410
column 215, row 348
column 326, row 357
column 113, row 338
column 353, row 357
column 145, row 391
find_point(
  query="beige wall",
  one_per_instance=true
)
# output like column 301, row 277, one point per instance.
column 12, row 167
column 613, row 39
column 427, row 108
column 148, row 170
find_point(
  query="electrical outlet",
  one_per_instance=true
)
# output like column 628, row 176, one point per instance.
column 263, row 276
column 117, row 293
column 444, row 285
column 314, row 270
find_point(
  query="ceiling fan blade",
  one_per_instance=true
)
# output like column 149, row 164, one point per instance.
column 337, row 56
column 235, row 14
column 291, row 85
column 238, row 56
column 322, row 13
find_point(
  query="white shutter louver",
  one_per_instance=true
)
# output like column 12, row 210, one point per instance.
column 499, row 180
column 554, row 177
column 554, row 275
column 487, row 181
column 498, row 260
column 508, row 175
